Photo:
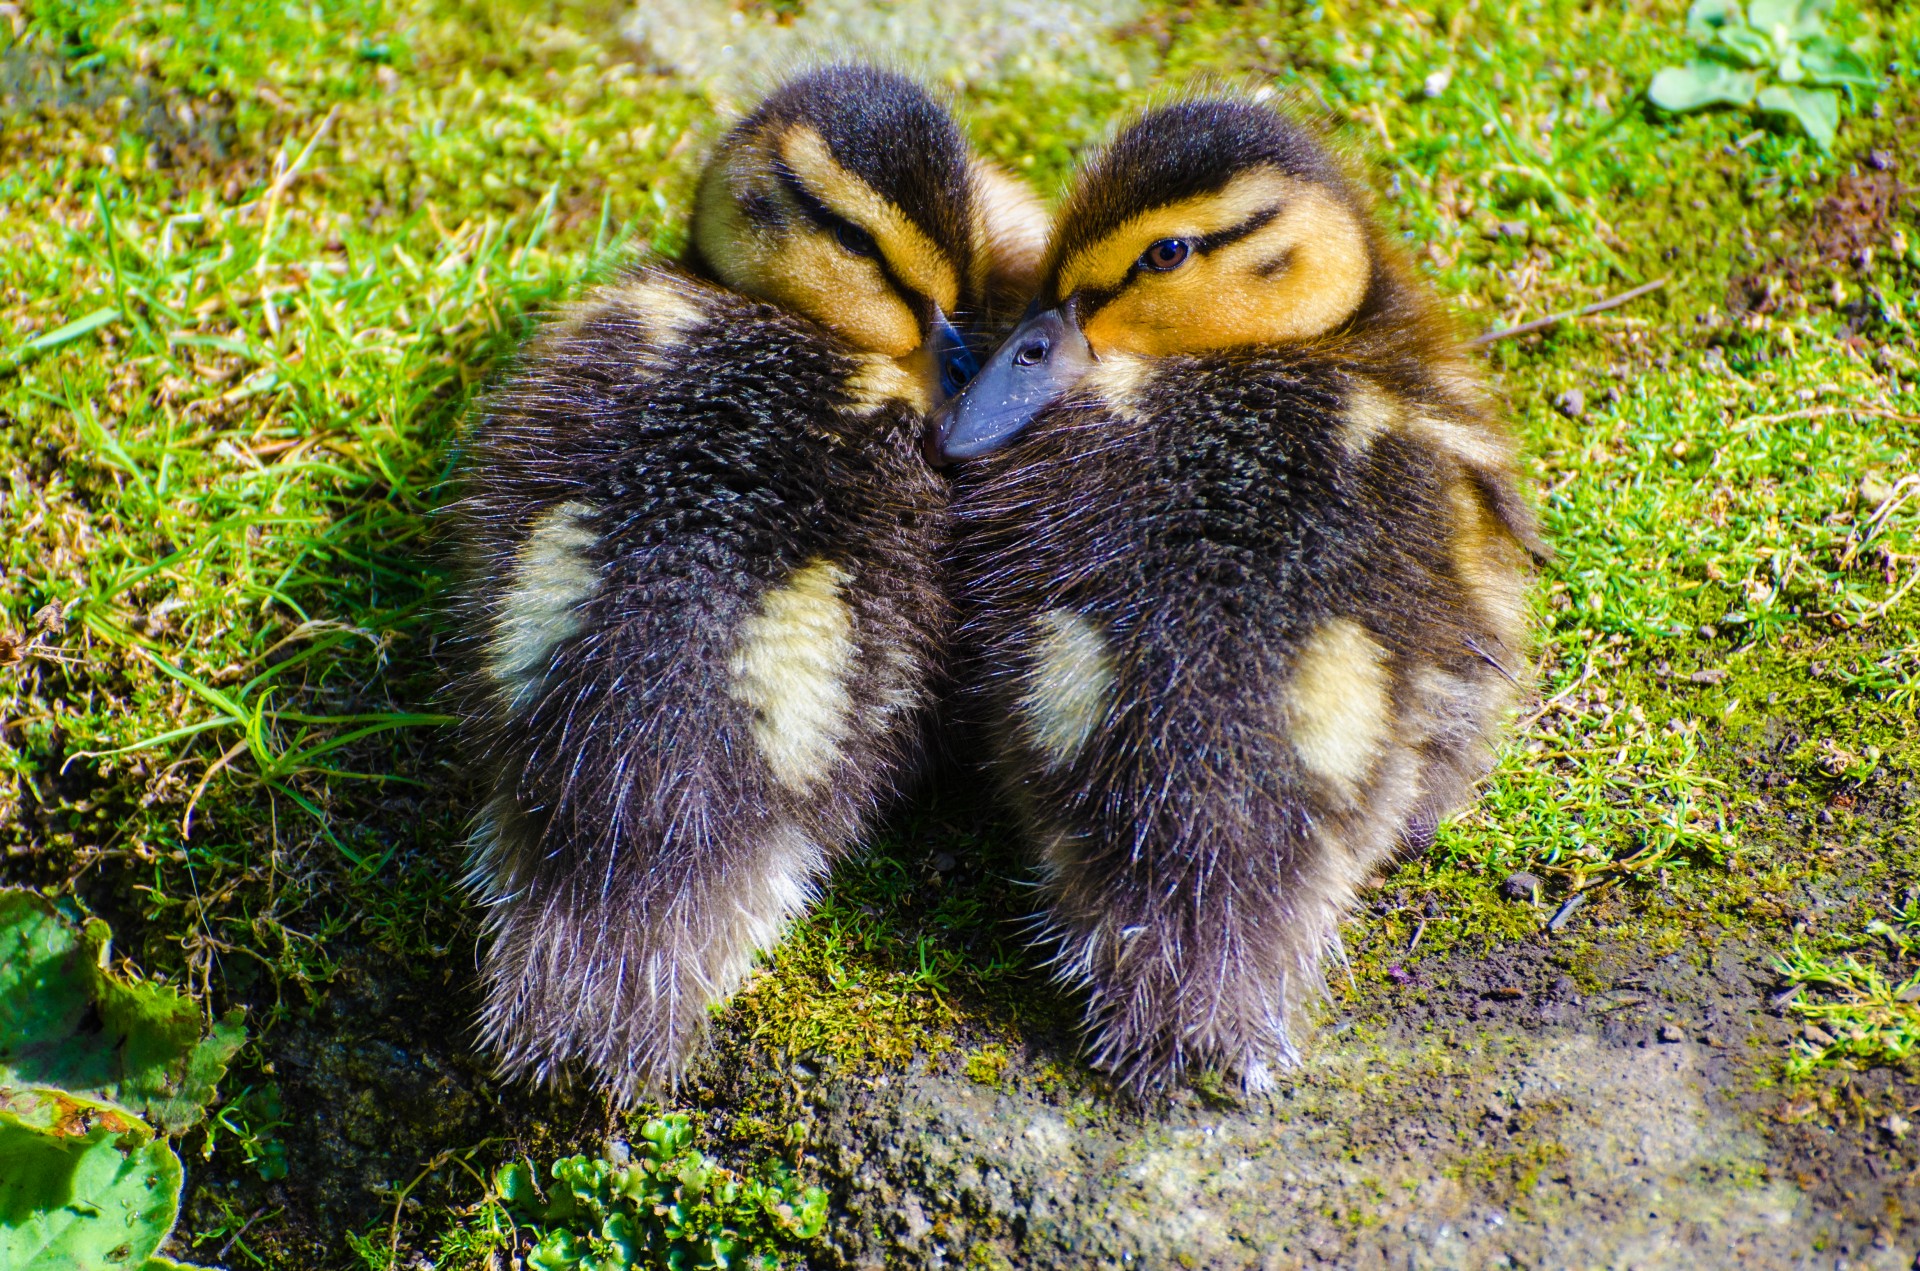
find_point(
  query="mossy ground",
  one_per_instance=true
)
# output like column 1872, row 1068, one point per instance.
column 251, row 284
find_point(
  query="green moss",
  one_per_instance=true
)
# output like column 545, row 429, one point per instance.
column 986, row 1065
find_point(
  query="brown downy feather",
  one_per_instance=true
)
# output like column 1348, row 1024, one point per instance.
column 704, row 607
column 1247, row 616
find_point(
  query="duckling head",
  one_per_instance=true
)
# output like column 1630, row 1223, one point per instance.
column 850, row 196
column 1209, row 225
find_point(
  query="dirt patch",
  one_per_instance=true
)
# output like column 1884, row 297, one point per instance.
column 1839, row 234
column 182, row 130
column 384, row 1087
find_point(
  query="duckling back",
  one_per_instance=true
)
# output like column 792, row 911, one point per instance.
column 1249, row 618
column 705, row 607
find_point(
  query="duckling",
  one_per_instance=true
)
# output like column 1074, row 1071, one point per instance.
column 1242, row 558
column 705, row 607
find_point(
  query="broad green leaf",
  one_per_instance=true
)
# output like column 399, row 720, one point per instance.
column 1764, row 15
column 84, row 1185
column 1706, row 17
column 1809, row 18
column 66, row 1021
column 1748, row 45
column 1816, row 109
column 1827, row 61
column 1701, row 83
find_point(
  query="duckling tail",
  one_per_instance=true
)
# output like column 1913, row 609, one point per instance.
column 618, row 967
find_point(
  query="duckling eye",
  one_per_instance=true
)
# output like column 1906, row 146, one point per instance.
column 855, row 239
column 1168, row 253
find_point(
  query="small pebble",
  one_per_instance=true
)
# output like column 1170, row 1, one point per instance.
column 1671, row 1033
column 1521, row 886
column 1817, row 1035
column 1878, row 160
column 944, row 863
column 1436, row 84
column 1564, row 914
column 1572, row 403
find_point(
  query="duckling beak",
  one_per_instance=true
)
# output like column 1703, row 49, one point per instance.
column 1044, row 357
column 951, row 356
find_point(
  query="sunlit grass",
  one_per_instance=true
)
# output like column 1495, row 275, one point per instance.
column 1861, row 1007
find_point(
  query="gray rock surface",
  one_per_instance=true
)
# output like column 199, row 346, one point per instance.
column 1488, row 1114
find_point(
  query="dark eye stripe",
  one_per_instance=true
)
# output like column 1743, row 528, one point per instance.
column 1234, row 233
column 817, row 212
column 1093, row 299
column 833, row 223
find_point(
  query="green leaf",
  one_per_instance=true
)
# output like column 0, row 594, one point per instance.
column 84, row 1185
column 60, row 335
column 1707, row 17
column 1827, row 61
column 1748, row 45
column 1764, row 15
column 1701, row 83
column 1816, row 109
column 66, row 1021
column 1809, row 18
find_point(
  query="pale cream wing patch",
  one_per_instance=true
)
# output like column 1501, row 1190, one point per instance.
column 1338, row 706
column 790, row 668
column 1069, row 684
column 1366, row 414
column 1491, row 565
column 552, row 575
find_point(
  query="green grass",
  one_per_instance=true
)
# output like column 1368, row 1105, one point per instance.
column 1860, row 1006
column 249, row 289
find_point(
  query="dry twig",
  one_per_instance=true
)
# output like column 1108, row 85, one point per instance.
column 1555, row 319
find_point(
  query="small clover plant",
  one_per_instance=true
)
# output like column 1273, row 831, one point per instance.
column 670, row 1208
column 1785, row 41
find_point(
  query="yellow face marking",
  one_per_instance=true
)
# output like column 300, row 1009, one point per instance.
column 799, row 264
column 1105, row 263
column 790, row 669
column 1338, row 705
column 551, row 576
column 1298, row 276
column 914, row 258
column 1490, row 564
column 1070, row 684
